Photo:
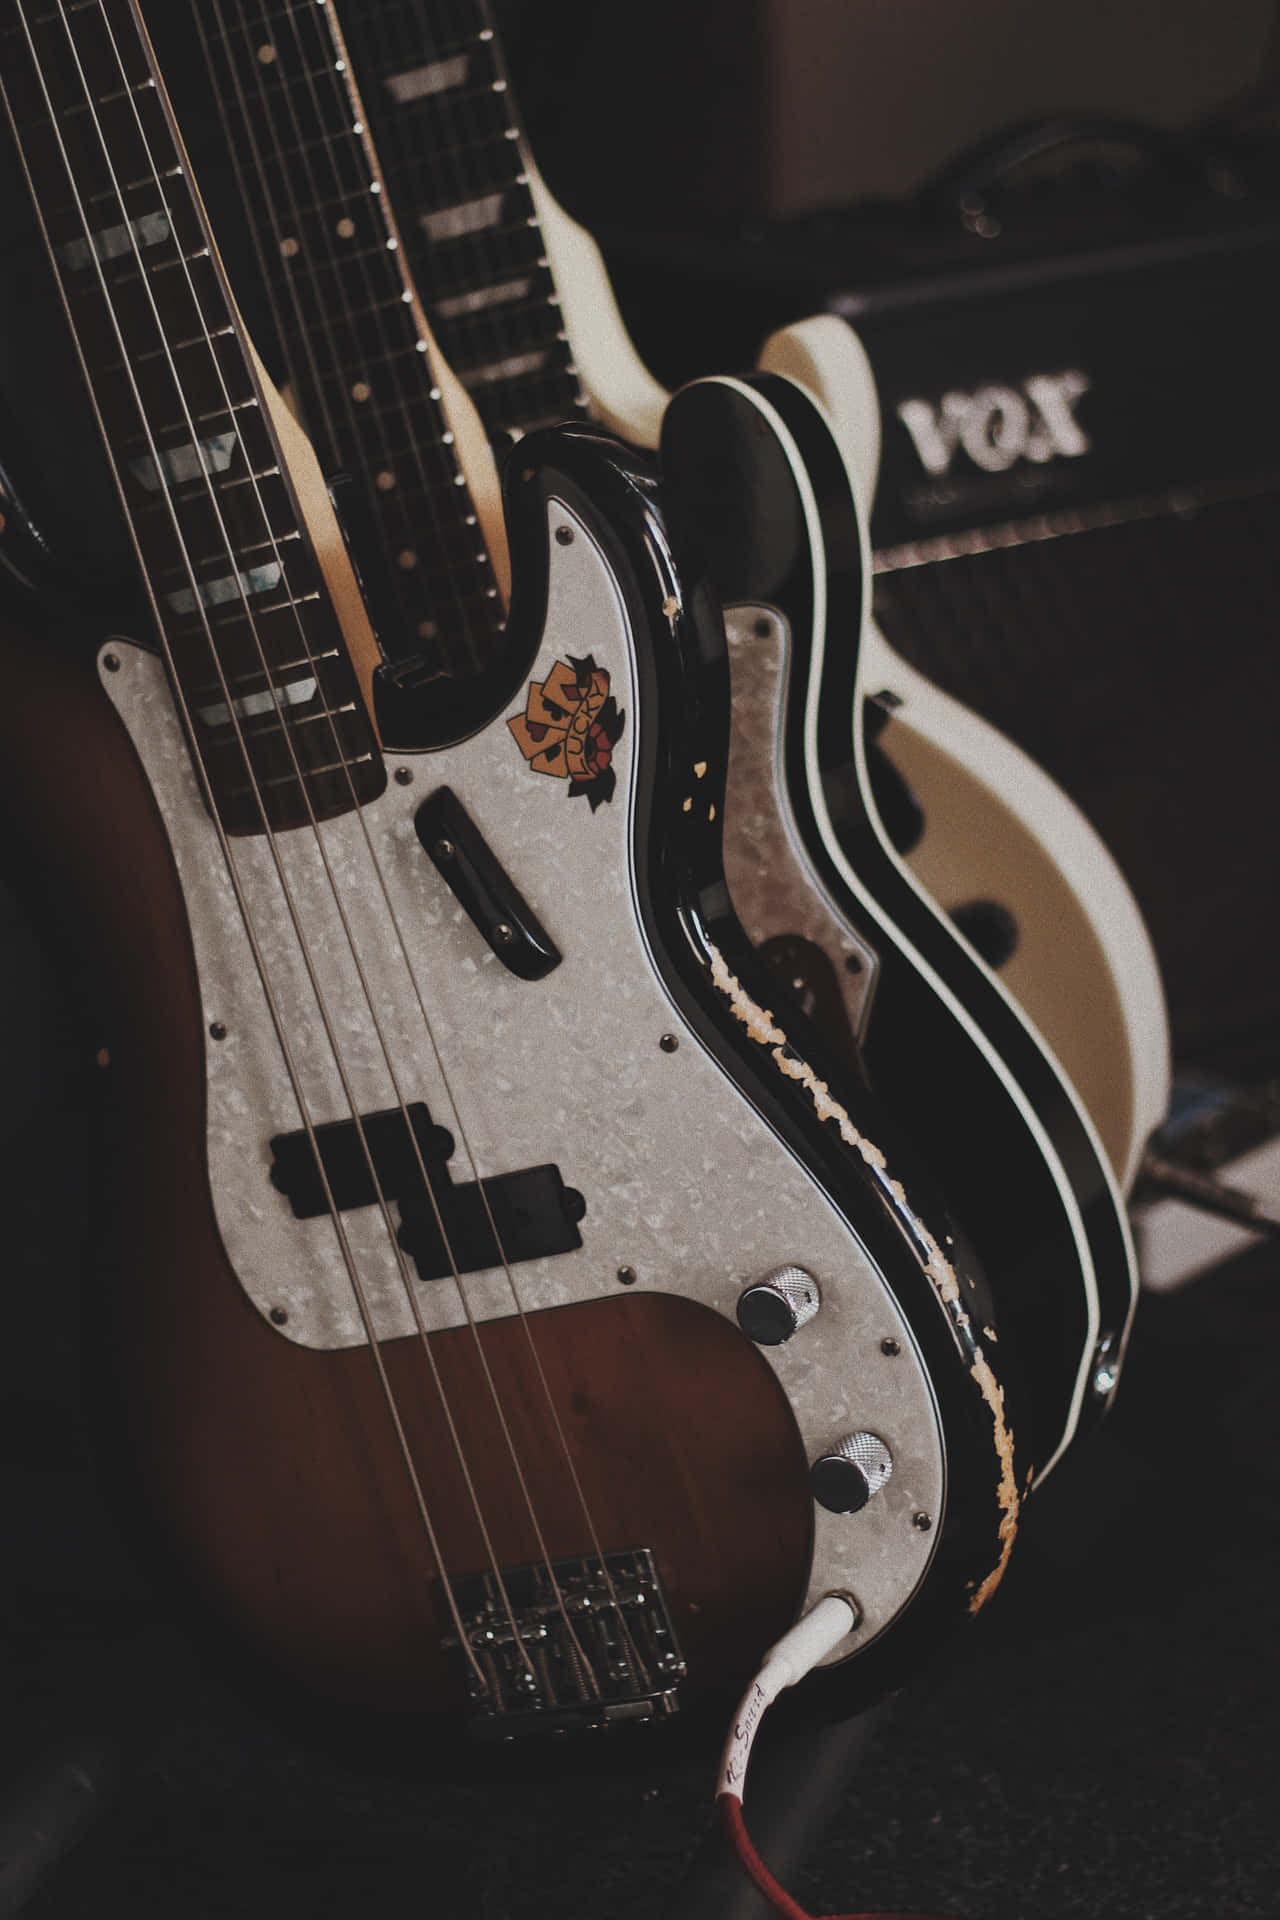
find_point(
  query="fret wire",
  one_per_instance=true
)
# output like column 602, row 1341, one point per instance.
column 229, row 37
column 446, row 114
column 567, row 390
column 442, row 149
column 466, row 538
column 412, row 161
column 157, row 457
column 441, row 283
column 360, row 424
column 205, row 622
column 446, row 549
column 357, row 423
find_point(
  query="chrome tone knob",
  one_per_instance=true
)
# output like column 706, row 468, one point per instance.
column 856, row 1468
column 778, row 1306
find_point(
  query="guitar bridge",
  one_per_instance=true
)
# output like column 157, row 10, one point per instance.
column 567, row 1644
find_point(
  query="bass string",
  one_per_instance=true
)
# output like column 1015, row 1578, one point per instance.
column 386, row 1054
column 381, row 1202
column 268, row 278
column 202, row 770
column 199, row 768
column 634, row 1659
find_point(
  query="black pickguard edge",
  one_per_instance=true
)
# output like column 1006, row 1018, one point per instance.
column 684, row 904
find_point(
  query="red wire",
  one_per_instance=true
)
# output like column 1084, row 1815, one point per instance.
column 777, row 1896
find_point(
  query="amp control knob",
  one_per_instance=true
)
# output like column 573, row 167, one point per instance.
column 858, row 1466
column 778, row 1306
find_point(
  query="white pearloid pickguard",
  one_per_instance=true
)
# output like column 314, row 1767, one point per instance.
column 684, row 1182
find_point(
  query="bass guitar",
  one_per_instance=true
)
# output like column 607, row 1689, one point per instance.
column 514, row 1315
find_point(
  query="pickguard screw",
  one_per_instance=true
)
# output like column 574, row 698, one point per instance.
column 627, row 1276
column 278, row 1316
column 444, row 849
column 111, row 661
column 921, row 1522
column 217, row 1030
column 565, row 536
column 762, row 629
column 668, row 1043
column 853, row 963
column 404, row 776
column 504, row 934
column 890, row 1348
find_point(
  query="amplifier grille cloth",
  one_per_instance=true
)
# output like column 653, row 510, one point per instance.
column 1139, row 663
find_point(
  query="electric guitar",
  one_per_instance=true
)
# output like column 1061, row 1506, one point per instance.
column 520, row 303
column 760, row 501
column 1060, row 1247
column 513, row 1313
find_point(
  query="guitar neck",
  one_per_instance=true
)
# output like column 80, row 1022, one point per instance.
column 262, row 674
column 349, row 324
column 445, row 119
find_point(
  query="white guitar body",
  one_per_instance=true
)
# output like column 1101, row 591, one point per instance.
column 996, row 827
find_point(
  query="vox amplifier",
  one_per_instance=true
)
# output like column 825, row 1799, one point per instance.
column 1077, row 531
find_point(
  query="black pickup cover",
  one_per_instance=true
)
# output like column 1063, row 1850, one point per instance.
column 533, row 1211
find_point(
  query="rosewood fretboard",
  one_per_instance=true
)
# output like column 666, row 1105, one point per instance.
column 348, row 326
column 442, row 111
column 251, row 636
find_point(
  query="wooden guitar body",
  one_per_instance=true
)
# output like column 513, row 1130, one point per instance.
column 263, row 1442
column 462, row 1128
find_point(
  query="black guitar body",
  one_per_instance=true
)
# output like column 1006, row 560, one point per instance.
column 758, row 497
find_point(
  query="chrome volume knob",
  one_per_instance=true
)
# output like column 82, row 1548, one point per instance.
column 858, row 1466
column 778, row 1306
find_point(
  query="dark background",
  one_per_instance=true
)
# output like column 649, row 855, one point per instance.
column 1103, row 1743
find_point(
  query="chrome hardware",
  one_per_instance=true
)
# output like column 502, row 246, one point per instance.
column 592, row 1644
column 856, row 1468
column 1106, row 1366
column 778, row 1306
